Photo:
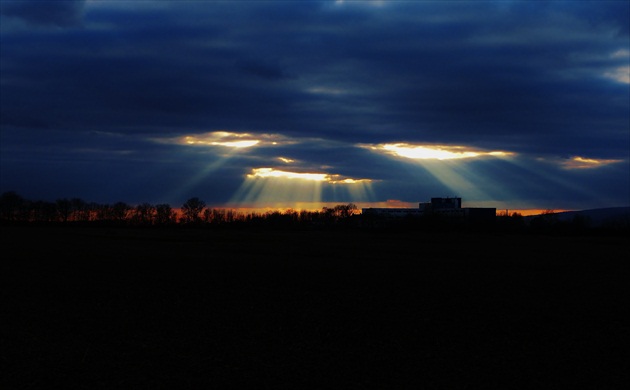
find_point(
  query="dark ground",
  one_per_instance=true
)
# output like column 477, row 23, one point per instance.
column 98, row 308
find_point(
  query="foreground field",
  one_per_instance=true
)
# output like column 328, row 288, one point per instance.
column 103, row 308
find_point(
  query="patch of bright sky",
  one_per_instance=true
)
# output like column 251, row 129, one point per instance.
column 233, row 142
column 323, row 177
column 260, row 188
column 620, row 74
column 270, row 172
column 623, row 53
column 201, row 175
column 578, row 162
column 448, row 165
column 550, row 180
column 433, row 152
column 266, row 186
column 228, row 139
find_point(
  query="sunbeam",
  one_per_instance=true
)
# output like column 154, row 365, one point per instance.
column 269, row 187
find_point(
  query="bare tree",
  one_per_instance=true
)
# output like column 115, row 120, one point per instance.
column 206, row 216
column 345, row 210
column 64, row 209
column 192, row 209
column 10, row 205
column 80, row 210
column 164, row 214
column 120, row 211
column 43, row 211
column 144, row 214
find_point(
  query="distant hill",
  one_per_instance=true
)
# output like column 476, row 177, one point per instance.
column 613, row 216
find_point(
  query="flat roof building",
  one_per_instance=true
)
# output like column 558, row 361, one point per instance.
column 448, row 207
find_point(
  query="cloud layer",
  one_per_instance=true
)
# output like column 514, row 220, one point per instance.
column 97, row 97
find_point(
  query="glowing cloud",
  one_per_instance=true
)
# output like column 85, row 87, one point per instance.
column 578, row 162
column 622, row 53
column 228, row 139
column 620, row 74
column 321, row 177
column 433, row 152
column 270, row 187
column 447, row 165
column 221, row 138
column 237, row 144
column 270, row 172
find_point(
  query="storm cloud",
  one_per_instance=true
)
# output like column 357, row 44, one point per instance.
column 95, row 95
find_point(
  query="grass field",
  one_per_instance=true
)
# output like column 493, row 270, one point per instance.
column 97, row 308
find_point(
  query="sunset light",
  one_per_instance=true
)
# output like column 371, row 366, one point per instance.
column 270, row 172
column 323, row 177
column 587, row 163
column 237, row 144
column 336, row 193
column 228, row 139
column 270, row 187
column 221, row 138
column 249, row 100
column 433, row 152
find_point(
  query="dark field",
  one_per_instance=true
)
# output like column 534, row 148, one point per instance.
column 98, row 308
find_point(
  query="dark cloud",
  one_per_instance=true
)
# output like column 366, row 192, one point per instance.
column 59, row 13
column 539, row 79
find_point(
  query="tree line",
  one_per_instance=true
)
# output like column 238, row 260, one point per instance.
column 16, row 209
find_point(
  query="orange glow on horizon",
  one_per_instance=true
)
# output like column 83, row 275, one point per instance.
column 247, row 209
column 265, row 207
column 528, row 212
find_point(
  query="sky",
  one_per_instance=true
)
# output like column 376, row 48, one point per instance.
column 299, row 104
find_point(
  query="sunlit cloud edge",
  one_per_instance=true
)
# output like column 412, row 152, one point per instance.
column 414, row 151
column 227, row 139
column 580, row 162
column 266, row 172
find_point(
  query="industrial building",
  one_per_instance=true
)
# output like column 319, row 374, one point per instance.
column 447, row 207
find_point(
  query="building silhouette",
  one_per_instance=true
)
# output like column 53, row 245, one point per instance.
column 445, row 207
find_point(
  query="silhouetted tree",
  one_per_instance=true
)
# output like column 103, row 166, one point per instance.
column 80, row 210
column 121, row 211
column 305, row 217
column 217, row 216
column 144, row 214
column 231, row 216
column 192, row 209
column 64, row 209
column 206, row 216
column 10, row 205
column 164, row 214
column 92, row 209
column 345, row 210
column 43, row 211
column 103, row 212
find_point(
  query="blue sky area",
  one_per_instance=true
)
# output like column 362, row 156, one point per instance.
column 507, row 104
